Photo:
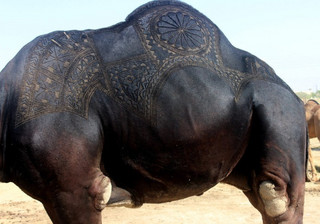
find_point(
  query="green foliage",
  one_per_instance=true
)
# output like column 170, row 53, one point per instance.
column 316, row 94
column 304, row 96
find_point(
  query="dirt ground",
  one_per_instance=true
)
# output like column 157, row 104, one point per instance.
column 222, row 204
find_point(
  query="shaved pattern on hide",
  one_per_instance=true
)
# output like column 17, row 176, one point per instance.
column 64, row 69
column 61, row 74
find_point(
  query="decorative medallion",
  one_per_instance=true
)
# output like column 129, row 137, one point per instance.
column 180, row 32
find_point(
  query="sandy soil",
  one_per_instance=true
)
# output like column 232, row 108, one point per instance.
column 221, row 204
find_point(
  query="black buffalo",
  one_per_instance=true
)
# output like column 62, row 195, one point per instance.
column 154, row 109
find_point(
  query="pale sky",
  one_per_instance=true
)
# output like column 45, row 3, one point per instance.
column 283, row 33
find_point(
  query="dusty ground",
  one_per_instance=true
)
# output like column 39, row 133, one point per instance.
column 220, row 205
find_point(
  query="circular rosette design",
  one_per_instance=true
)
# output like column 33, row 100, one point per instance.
column 180, row 32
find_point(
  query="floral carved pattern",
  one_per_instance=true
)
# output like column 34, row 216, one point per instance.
column 180, row 32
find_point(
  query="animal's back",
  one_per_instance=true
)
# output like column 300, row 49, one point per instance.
column 129, row 62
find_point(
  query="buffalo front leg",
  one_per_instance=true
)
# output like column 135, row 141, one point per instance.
column 62, row 170
column 80, row 199
column 73, row 188
column 84, row 203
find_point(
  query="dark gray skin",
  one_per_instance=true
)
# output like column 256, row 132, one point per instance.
column 160, row 107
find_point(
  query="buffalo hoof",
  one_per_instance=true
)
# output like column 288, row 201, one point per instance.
column 120, row 197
